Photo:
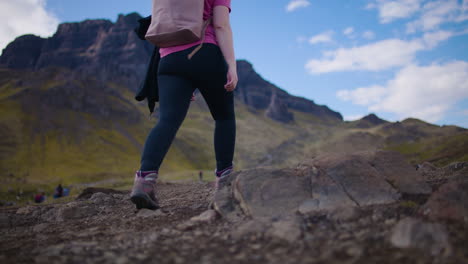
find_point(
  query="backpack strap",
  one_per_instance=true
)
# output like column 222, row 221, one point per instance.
column 205, row 25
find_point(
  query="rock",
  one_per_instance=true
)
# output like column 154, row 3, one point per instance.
column 456, row 166
column 248, row 228
column 414, row 233
column 146, row 213
column 205, row 217
column 399, row 173
column 327, row 193
column 327, row 183
column 23, row 52
column 449, row 202
column 27, row 210
column 257, row 93
column 354, row 251
column 49, row 214
column 359, row 179
column 101, row 198
column 456, row 170
column 75, row 211
column 426, row 166
column 223, row 201
column 344, row 214
column 4, row 220
column 277, row 110
column 309, row 206
column 264, row 193
column 40, row 227
column 289, row 229
column 89, row 192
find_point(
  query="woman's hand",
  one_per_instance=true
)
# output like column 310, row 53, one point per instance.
column 232, row 79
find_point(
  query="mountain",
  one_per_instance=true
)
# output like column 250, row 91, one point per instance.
column 112, row 52
column 68, row 115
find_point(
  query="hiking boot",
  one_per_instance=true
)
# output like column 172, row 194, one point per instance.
column 221, row 180
column 143, row 192
column 222, row 177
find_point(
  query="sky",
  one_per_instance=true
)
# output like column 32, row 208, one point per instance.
column 394, row 58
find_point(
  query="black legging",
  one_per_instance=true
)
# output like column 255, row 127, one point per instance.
column 178, row 77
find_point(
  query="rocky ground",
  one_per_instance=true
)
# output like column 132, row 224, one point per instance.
column 102, row 226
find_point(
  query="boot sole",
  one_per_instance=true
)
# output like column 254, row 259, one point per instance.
column 143, row 202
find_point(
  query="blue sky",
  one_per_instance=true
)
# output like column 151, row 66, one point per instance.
column 395, row 58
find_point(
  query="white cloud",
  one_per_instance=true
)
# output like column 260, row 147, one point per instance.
column 348, row 31
column 428, row 93
column 433, row 39
column 372, row 57
column 390, row 10
column 363, row 96
column 435, row 13
column 325, row 37
column 25, row 17
column 296, row 4
column 368, row 35
column 381, row 55
column 427, row 14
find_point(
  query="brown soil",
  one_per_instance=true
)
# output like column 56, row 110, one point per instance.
column 106, row 228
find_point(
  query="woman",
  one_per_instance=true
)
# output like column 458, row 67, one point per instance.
column 213, row 71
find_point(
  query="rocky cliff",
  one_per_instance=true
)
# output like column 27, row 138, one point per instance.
column 112, row 52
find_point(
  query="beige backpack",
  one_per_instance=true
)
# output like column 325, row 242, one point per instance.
column 177, row 22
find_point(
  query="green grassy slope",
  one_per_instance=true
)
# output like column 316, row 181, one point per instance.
column 51, row 133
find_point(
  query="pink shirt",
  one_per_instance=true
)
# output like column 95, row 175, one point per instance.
column 210, row 35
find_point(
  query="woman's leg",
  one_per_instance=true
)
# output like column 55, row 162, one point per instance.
column 221, row 105
column 174, row 100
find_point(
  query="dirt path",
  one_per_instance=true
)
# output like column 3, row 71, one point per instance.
column 106, row 228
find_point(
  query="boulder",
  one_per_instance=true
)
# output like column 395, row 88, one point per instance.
column 449, row 202
column 146, row 213
column 206, row 217
column 326, row 183
column 404, row 177
column 75, row 210
column 91, row 191
column 289, row 229
column 248, row 228
column 327, row 194
column 271, row 193
column 361, row 181
column 414, row 233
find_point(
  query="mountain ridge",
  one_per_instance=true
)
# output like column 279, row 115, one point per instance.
column 113, row 52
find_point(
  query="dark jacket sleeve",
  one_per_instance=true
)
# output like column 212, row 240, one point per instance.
column 149, row 87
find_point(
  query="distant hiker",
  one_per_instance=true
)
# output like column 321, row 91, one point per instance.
column 207, row 64
column 58, row 191
column 200, row 176
column 39, row 198
column 66, row 192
